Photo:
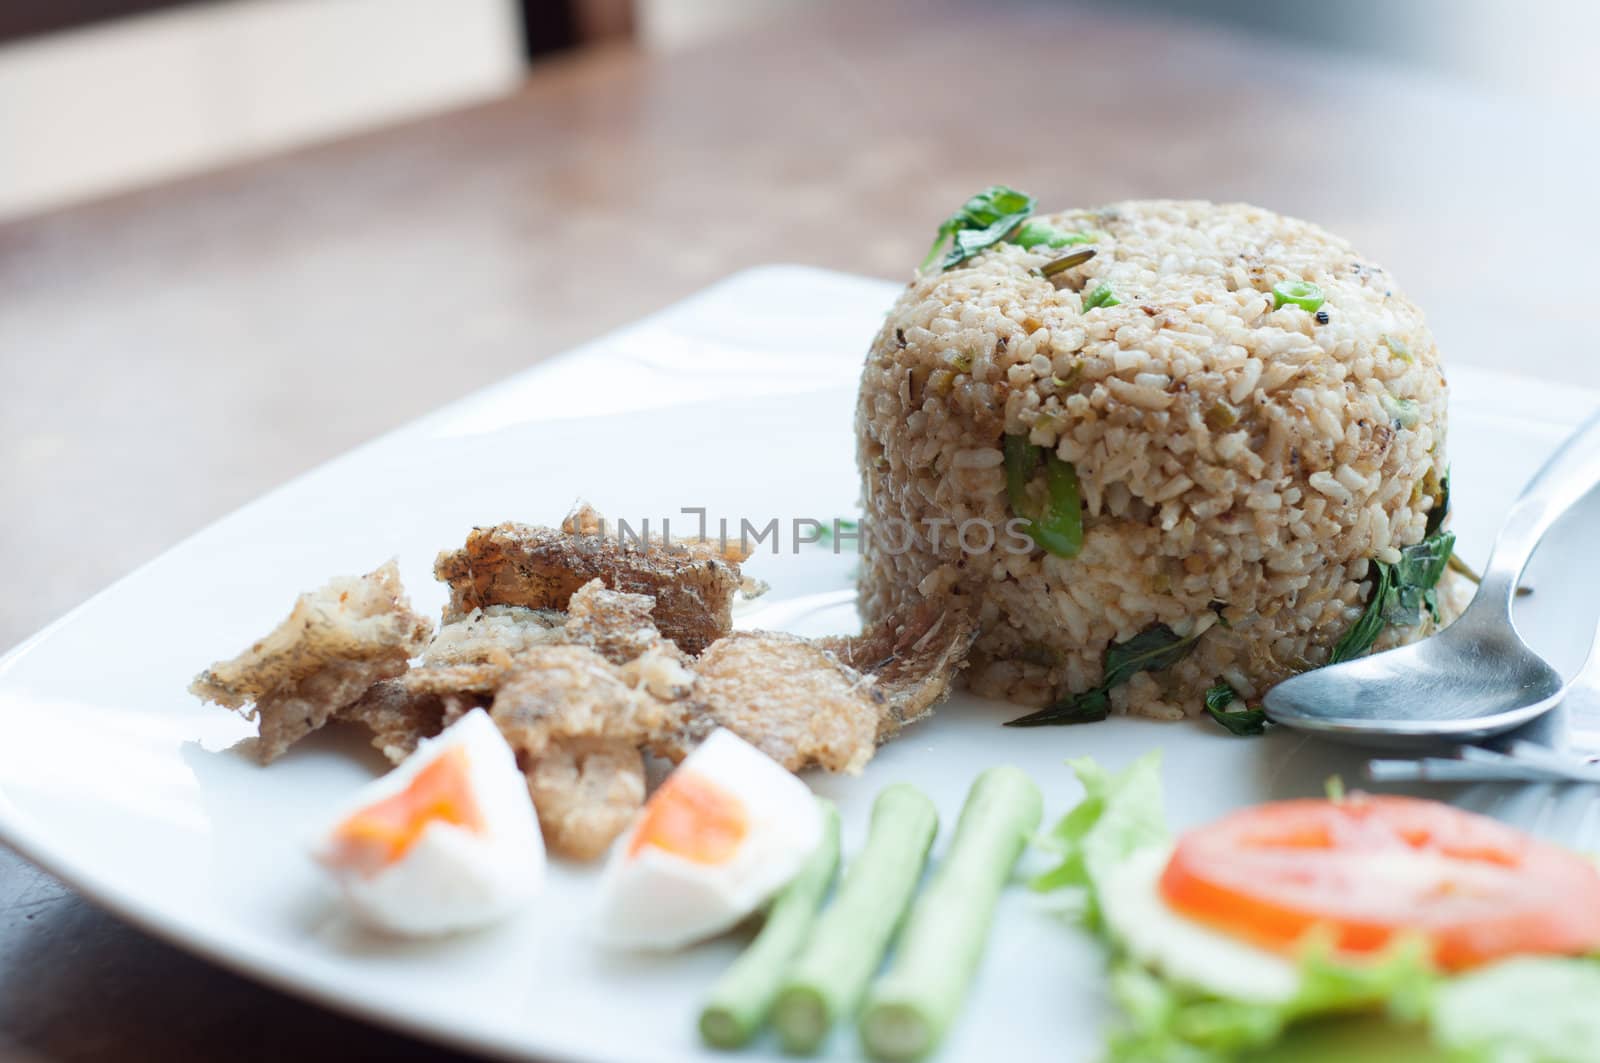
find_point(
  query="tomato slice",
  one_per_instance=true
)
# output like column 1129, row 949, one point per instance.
column 1369, row 869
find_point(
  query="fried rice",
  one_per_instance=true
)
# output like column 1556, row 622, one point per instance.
column 1241, row 464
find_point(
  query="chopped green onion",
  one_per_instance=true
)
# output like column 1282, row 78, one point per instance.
column 1304, row 294
column 1101, row 296
column 1403, row 412
column 1397, row 347
column 1058, row 527
column 1034, row 233
column 1021, row 456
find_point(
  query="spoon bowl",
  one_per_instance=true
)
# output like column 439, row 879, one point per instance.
column 1468, row 683
column 1477, row 678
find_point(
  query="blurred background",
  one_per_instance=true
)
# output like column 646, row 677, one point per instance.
column 97, row 96
column 238, row 237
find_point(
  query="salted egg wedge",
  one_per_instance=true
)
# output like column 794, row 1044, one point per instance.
column 724, row 832
column 447, row 841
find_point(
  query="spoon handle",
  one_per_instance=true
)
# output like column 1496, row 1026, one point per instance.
column 1558, row 485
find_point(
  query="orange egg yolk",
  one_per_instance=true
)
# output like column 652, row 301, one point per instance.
column 692, row 817
column 382, row 833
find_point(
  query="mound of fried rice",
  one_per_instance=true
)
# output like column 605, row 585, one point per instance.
column 1240, row 466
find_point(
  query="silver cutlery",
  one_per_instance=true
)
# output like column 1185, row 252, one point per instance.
column 1475, row 679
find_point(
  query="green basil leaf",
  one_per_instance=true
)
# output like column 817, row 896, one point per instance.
column 1154, row 648
column 1091, row 706
column 1151, row 650
column 1365, row 631
column 1219, row 697
column 1415, row 576
column 1422, row 565
column 1400, row 593
column 1441, row 507
column 983, row 221
column 1245, row 722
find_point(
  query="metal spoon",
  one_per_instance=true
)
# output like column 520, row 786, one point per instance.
column 1474, row 679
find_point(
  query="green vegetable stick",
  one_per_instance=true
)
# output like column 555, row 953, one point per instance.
column 743, row 996
column 909, row 1008
column 828, row 978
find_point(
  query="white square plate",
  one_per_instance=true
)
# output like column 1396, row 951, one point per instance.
column 739, row 401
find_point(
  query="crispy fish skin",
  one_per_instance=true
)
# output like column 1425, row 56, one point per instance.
column 336, row 643
column 790, row 698
column 913, row 659
column 493, row 636
column 586, row 791
column 577, row 722
column 586, row 520
column 400, row 718
column 615, row 624
column 541, row 568
column 474, row 654
column 565, row 692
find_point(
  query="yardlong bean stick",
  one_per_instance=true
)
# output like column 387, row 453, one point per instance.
column 848, row 943
column 909, row 1008
column 739, row 1002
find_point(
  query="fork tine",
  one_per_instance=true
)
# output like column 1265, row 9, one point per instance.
column 1483, row 798
column 1573, row 808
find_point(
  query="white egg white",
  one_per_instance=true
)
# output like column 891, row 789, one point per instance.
column 1182, row 950
column 655, row 899
column 451, row 878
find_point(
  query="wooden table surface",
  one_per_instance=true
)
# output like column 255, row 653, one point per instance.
column 171, row 354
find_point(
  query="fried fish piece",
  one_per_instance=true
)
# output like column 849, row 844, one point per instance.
column 577, row 723
column 615, row 624
column 493, row 635
column 586, row 791
column 336, row 643
column 459, row 670
column 912, row 659
column 541, row 568
column 789, row 697
column 400, row 718
column 559, row 693
column 586, row 520
column 474, row 654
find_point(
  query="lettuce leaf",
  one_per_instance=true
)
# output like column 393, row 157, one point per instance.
column 1533, row 1009
column 1119, row 815
column 1165, row 1023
